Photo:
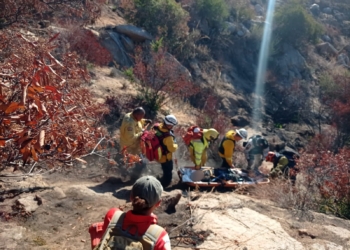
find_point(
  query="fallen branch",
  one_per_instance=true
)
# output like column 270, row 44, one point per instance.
column 93, row 151
column 16, row 192
column 17, row 175
column 32, row 168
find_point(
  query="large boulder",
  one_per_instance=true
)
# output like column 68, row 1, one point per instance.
column 291, row 65
column 240, row 121
column 112, row 42
column 29, row 203
column 230, row 28
column 234, row 226
column 343, row 59
column 170, row 200
column 315, row 9
column 242, row 30
column 169, row 57
column 259, row 10
column 326, row 38
column 326, row 49
column 339, row 16
column 135, row 33
column 327, row 10
column 128, row 43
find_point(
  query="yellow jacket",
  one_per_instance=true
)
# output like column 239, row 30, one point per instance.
column 198, row 151
column 227, row 147
column 169, row 144
column 130, row 133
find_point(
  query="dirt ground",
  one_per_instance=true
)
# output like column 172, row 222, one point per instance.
column 65, row 202
column 78, row 198
column 203, row 219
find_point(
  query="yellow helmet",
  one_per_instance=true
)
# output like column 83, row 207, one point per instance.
column 210, row 134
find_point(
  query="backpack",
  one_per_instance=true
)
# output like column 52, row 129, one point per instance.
column 115, row 238
column 255, row 139
column 191, row 135
column 291, row 155
column 152, row 144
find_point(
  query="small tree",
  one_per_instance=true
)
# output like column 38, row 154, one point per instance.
column 162, row 18
column 214, row 11
column 295, row 25
column 161, row 78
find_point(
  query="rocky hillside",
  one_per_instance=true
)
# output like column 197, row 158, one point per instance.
column 221, row 56
column 211, row 51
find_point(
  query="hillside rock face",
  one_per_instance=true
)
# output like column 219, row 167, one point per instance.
column 292, row 65
column 235, row 222
column 229, row 69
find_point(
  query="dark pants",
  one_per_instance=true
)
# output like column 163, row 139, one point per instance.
column 224, row 163
column 167, row 168
column 136, row 171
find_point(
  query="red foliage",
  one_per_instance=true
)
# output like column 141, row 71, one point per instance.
column 86, row 44
column 336, row 98
column 129, row 159
column 45, row 113
column 21, row 11
column 330, row 172
column 162, row 77
column 211, row 117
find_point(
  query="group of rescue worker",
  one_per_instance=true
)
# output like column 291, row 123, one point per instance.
column 124, row 230
column 256, row 149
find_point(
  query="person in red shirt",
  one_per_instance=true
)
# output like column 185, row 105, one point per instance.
column 145, row 197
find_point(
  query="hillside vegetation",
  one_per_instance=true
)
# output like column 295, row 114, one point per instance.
column 203, row 52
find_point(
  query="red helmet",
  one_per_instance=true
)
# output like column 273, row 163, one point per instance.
column 270, row 156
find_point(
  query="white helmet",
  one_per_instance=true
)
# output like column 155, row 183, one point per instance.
column 170, row 120
column 242, row 133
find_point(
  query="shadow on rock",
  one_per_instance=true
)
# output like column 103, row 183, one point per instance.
column 123, row 194
column 112, row 184
column 170, row 200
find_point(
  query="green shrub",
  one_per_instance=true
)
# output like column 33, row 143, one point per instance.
column 162, row 18
column 214, row 11
column 295, row 25
column 240, row 10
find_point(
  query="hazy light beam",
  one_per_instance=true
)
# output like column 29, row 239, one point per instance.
column 262, row 66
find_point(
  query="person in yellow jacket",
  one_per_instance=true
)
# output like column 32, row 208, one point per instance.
column 198, row 147
column 168, row 142
column 131, row 130
column 227, row 146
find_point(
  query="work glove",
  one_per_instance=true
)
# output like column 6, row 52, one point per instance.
column 148, row 121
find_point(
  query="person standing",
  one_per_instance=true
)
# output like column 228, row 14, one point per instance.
column 164, row 131
column 227, row 146
column 131, row 130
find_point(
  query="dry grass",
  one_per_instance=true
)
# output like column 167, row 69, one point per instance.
column 302, row 197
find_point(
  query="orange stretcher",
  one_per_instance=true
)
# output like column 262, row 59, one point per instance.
column 210, row 177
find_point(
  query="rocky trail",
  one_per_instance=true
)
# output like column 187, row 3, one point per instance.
column 58, row 213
